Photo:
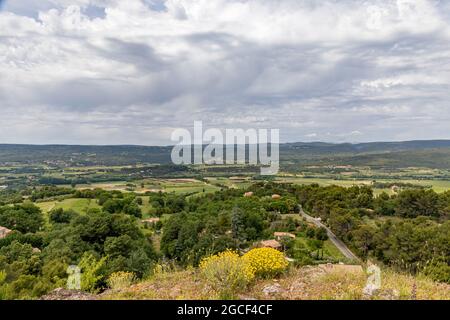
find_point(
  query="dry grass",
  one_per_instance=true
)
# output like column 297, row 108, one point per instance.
column 306, row 283
column 178, row 285
column 425, row 289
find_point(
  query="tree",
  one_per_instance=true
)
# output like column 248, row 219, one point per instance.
column 133, row 210
column 61, row 216
column 321, row 234
column 384, row 205
column 24, row 218
column 414, row 203
column 93, row 272
column 363, row 239
column 238, row 225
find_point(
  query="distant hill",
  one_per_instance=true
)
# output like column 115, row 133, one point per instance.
column 428, row 158
column 431, row 154
column 320, row 148
column 84, row 155
column 428, row 153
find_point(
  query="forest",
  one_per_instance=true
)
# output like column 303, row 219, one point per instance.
column 408, row 231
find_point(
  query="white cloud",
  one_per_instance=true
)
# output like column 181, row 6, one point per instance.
column 129, row 71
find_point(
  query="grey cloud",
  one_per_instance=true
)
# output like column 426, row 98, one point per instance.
column 161, row 72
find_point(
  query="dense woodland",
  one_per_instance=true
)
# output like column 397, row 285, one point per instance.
column 408, row 231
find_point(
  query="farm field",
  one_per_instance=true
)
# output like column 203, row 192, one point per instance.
column 78, row 205
column 437, row 185
column 179, row 186
column 187, row 186
column 231, row 182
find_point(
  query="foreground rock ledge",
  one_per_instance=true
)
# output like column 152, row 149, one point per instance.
column 64, row 294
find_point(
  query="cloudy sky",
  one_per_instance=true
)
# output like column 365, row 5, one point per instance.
column 130, row 72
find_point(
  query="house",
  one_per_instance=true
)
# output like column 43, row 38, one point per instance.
column 248, row 194
column 274, row 244
column 4, row 232
column 281, row 235
column 276, row 196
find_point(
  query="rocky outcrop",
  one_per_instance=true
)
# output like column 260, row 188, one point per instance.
column 4, row 232
column 64, row 294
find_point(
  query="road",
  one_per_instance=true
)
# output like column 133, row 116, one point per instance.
column 338, row 243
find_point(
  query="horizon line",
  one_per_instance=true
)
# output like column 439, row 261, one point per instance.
column 171, row 145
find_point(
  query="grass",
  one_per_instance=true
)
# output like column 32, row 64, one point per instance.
column 145, row 207
column 46, row 206
column 330, row 250
column 305, row 283
column 181, row 186
column 174, row 285
column 79, row 205
column 231, row 182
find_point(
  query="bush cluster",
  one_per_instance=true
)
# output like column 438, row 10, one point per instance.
column 120, row 280
column 266, row 262
column 227, row 273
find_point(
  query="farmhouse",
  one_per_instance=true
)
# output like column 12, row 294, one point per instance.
column 4, row 232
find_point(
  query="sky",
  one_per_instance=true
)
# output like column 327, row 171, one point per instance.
column 131, row 72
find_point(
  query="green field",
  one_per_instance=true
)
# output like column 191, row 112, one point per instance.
column 179, row 186
column 437, row 185
column 187, row 186
column 330, row 250
column 78, row 205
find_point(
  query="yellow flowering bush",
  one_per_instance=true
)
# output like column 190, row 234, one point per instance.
column 227, row 273
column 121, row 280
column 266, row 262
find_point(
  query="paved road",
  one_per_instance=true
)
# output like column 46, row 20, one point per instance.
column 338, row 243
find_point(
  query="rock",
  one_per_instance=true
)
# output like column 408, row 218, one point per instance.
column 389, row 294
column 297, row 287
column 244, row 297
column 4, row 232
column 370, row 291
column 272, row 289
column 64, row 294
column 36, row 250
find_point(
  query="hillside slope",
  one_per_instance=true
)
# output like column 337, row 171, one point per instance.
column 334, row 282
column 432, row 153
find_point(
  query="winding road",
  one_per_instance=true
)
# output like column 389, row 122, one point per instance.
column 338, row 243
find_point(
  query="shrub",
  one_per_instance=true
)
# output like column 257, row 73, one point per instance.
column 92, row 275
column 438, row 270
column 266, row 262
column 2, row 276
column 227, row 273
column 121, row 280
column 3, row 288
